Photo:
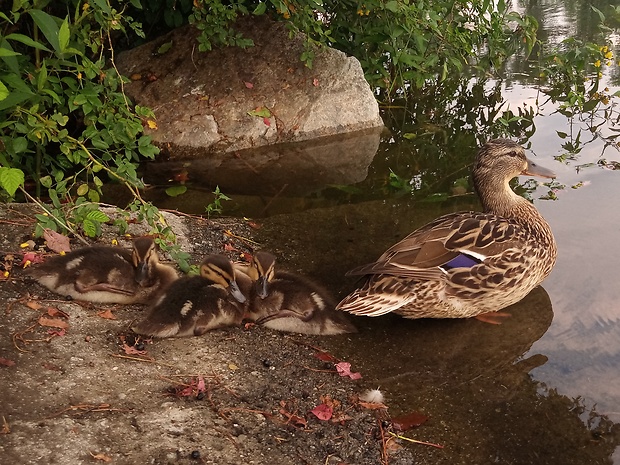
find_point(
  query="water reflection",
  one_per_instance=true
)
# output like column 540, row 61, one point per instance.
column 473, row 379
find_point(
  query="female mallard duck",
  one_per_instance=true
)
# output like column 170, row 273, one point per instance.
column 465, row 264
column 286, row 301
column 106, row 274
column 193, row 305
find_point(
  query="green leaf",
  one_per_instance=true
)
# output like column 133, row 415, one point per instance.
column 8, row 53
column 20, row 144
column 42, row 78
column 64, row 35
column 27, row 41
column 90, row 227
column 11, row 179
column 163, row 48
column 48, row 27
column 82, row 190
column 261, row 112
column 46, row 181
column 98, row 216
column 176, row 190
column 260, row 9
column 4, row 92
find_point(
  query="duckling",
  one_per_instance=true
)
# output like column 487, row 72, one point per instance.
column 105, row 274
column 287, row 301
column 191, row 306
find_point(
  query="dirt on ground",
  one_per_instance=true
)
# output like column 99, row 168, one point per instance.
column 78, row 387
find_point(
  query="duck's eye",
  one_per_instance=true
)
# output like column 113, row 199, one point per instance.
column 513, row 154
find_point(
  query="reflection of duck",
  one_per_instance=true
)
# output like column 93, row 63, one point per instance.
column 468, row 263
column 290, row 302
column 107, row 274
column 192, row 306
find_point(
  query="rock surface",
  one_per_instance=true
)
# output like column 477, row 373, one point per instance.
column 201, row 100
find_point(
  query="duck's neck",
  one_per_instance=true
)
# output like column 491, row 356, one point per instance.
column 498, row 198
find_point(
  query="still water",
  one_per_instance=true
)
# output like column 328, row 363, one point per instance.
column 542, row 388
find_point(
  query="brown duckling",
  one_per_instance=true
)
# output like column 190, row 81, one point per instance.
column 287, row 301
column 194, row 305
column 106, row 274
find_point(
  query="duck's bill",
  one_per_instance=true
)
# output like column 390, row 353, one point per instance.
column 534, row 169
column 261, row 287
column 236, row 292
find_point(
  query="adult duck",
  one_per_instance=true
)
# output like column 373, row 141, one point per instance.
column 466, row 264
column 106, row 274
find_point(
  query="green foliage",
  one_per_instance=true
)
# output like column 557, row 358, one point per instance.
column 216, row 206
column 66, row 125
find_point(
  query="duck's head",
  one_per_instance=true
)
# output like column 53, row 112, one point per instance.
column 262, row 272
column 499, row 161
column 145, row 259
column 219, row 270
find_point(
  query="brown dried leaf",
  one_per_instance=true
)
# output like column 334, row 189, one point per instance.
column 408, row 421
column 53, row 322
column 54, row 312
column 6, row 362
column 372, row 405
column 101, row 457
column 106, row 314
column 130, row 350
column 56, row 242
column 34, row 305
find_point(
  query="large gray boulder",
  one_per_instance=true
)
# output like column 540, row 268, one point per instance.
column 201, row 100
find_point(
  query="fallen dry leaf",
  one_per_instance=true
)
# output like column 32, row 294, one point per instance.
column 106, row 314
column 102, row 457
column 30, row 258
column 325, row 357
column 344, row 369
column 131, row 350
column 293, row 419
column 372, row 405
column 408, row 421
column 56, row 242
column 249, row 85
column 33, row 304
column 53, row 322
column 6, row 362
column 54, row 312
column 323, row 412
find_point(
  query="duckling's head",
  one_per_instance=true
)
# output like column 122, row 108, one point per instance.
column 144, row 259
column 497, row 162
column 219, row 270
column 262, row 271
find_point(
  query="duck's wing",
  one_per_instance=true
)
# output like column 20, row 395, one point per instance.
column 380, row 294
column 452, row 241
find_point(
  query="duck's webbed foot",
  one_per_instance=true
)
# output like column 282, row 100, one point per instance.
column 494, row 318
column 101, row 287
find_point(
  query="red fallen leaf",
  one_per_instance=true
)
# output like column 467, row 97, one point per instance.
column 230, row 248
column 254, row 225
column 408, row 421
column 106, row 314
column 56, row 242
column 181, row 177
column 344, row 369
column 315, row 82
column 323, row 412
column 201, row 384
column 325, row 357
column 249, row 85
column 53, row 322
column 32, row 258
column 267, row 121
column 131, row 350
column 6, row 362
column 56, row 332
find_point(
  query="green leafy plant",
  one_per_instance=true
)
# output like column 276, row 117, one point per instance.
column 216, row 206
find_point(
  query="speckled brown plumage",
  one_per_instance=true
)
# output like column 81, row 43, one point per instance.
column 468, row 263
